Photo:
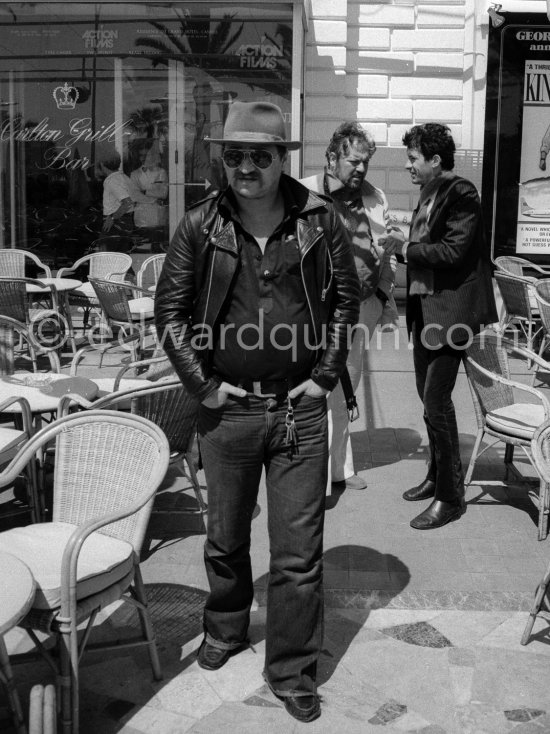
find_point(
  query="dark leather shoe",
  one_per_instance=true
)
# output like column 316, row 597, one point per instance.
column 210, row 657
column 303, row 708
column 422, row 491
column 437, row 514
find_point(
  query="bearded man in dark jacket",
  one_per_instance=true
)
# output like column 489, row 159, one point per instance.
column 255, row 306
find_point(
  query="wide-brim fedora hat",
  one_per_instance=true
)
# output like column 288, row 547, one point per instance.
column 253, row 123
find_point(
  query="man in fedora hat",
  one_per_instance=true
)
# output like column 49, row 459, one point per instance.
column 255, row 303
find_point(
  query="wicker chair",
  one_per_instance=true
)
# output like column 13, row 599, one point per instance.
column 519, row 301
column 542, row 297
column 14, row 334
column 512, row 265
column 149, row 272
column 113, row 243
column 105, row 265
column 172, row 408
column 13, row 263
column 18, row 318
column 126, row 307
column 108, row 466
column 130, row 375
column 15, row 297
column 540, row 445
column 153, row 369
column 498, row 410
column 12, row 439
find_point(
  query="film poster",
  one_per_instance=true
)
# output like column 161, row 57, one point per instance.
column 533, row 216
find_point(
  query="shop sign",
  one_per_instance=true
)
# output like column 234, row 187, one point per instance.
column 64, row 155
column 100, row 39
column 516, row 172
column 259, row 55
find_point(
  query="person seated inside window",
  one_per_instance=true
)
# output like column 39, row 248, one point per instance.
column 118, row 204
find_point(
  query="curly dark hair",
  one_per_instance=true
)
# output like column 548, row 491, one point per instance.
column 345, row 135
column 432, row 139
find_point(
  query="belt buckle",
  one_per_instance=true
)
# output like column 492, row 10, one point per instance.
column 257, row 390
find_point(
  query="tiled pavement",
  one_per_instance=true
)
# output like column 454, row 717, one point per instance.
column 422, row 628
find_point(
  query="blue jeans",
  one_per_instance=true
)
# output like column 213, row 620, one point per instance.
column 237, row 441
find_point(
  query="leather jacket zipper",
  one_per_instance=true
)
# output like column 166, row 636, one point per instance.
column 323, row 292
column 212, row 239
column 331, row 270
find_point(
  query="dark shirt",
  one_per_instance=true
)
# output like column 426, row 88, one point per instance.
column 265, row 331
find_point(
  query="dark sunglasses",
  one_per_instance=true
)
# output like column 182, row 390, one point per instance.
column 233, row 157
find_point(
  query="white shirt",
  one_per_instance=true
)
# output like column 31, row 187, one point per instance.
column 116, row 187
column 149, row 184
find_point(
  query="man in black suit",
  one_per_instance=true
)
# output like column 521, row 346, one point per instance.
column 449, row 299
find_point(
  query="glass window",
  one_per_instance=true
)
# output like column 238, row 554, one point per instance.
column 81, row 83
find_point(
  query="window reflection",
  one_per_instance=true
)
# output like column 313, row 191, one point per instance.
column 151, row 81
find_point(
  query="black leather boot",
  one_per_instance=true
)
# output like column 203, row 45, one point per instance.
column 422, row 491
column 439, row 513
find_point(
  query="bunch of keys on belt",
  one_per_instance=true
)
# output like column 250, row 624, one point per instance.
column 291, row 439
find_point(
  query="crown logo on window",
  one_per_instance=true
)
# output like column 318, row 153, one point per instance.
column 65, row 97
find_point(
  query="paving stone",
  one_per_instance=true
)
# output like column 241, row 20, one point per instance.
column 234, row 717
column 189, row 695
column 465, row 628
column 464, row 658
column 538, row 726
column 419, row 633
column 387, row 713
column 524, row 714
column 259, row 701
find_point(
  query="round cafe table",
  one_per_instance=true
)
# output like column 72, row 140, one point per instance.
column 40, row 389
column 43, row 392
column 17, row 588
column 62, row 285
column 105, row 385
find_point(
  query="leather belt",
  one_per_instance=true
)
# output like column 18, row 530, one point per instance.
column 266, row 388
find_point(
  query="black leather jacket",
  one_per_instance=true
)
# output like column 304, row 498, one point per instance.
column 198, row 271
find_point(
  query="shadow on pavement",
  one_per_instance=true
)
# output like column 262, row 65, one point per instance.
column 344, row 624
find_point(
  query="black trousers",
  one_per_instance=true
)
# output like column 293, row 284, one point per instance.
column 436, row 371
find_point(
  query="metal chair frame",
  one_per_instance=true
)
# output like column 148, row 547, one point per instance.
column 34, row 498
column 517, row 294
column 105, row 265
column 154, row 368
column 150, row 270
column 492, row 388
column 114, row 299
column 540, row 447
column 542, row 296
column 16, row 319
